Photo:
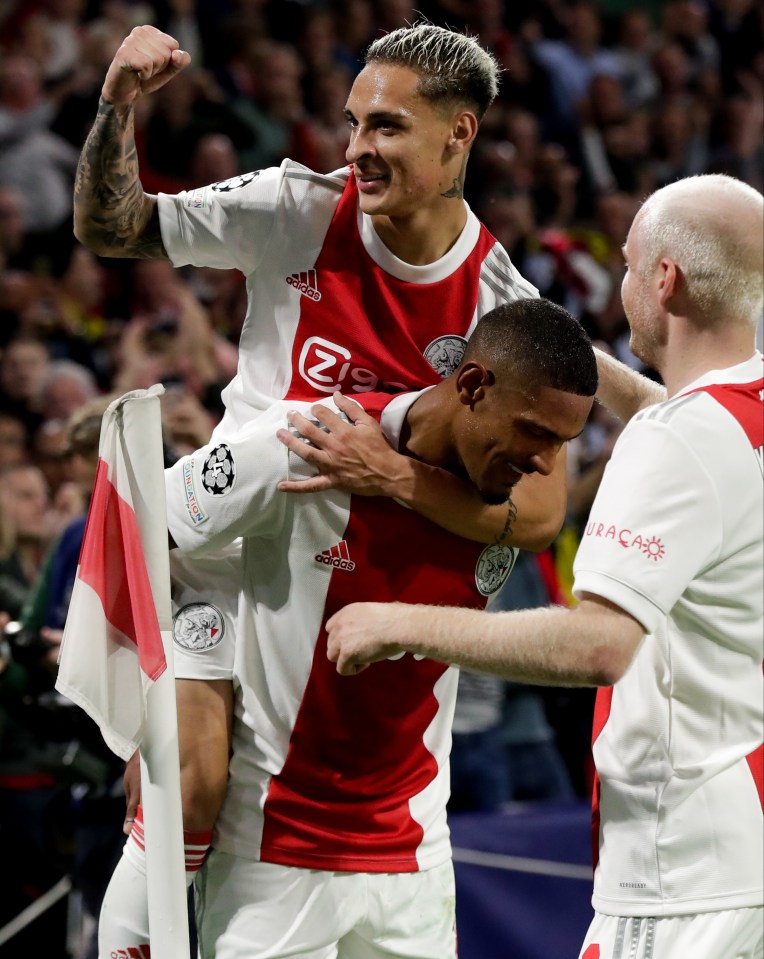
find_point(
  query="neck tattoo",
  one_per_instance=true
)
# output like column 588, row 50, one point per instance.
column 456, row 191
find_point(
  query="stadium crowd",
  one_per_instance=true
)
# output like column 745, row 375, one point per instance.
column 599, row 104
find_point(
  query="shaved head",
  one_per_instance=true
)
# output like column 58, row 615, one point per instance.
column 712, row 227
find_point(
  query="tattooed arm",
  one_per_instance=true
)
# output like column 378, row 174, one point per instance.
column 113, row 216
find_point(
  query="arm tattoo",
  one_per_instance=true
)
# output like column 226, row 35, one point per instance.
column 111, row 209
column 511, row 517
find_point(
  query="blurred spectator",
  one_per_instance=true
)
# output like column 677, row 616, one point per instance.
column 223, row 294
column 213, row 160
column 239, row 36
column 673, row 71
column 11, row 225
column 178, row 18
column 354, row 20
column 49, row 453
column 612, row 156
column 526, row 83
column 686, row 23
column 13, row 441
column 186, row 424
column 317, row 44
column 571, row 63
column 24, row 499
column 679, row 145
column 738, row 26
column 66, row 388
column 37, row 162
column 613, row 214
column 320, row 141
column 737, row 145
column 170, row 337
column 485, row 20
column 99, row 41
column 23, row 368
column 511, row 218
column 588, row 456
column 275, row 107
column 76, row 319
column 55, row 30
column 633, row 52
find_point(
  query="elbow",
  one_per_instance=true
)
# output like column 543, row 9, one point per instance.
column 540, row 535
column 202, row 793
column 609, row 664
column 85, row 235
column 91, row 241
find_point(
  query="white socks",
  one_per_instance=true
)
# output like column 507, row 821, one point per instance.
column 123, row 929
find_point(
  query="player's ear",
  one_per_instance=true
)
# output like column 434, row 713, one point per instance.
column 464, row 127
column 472, row 380
column 670, row 282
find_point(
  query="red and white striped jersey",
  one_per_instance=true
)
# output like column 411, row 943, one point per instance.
column 328, row 772
column 329, row 306
column 675, row 539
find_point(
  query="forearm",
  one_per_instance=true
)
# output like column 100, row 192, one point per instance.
column 540, row 646
column 113, row 216
column 530, row 520
column 205, row 715
column 589, row 646
column 622, row 390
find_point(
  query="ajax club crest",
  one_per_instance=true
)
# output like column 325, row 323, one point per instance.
column 198, row 627
column 493, row 567
column 445, row 354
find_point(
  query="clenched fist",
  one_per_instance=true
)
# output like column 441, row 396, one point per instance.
column 145, row 61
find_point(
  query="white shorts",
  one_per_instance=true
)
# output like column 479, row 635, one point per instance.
column 728, row 934
column 205, row 601
column 257, row 910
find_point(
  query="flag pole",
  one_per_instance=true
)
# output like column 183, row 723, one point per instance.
column 160, row 766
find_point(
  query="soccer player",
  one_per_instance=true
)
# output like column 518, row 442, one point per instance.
column 670, row 579
column 332, row 840
column 368, row 278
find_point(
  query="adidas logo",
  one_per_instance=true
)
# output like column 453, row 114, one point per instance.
column 338, row 557
column 306, row 283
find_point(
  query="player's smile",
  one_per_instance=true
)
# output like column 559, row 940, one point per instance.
column 369, row 182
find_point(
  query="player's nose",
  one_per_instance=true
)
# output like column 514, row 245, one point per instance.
column 359, row 145
column 543, row 461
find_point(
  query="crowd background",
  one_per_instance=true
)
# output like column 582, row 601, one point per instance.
column 600, row 103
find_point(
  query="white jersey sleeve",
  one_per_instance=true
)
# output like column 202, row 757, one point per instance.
column 653, row 526
column 223, row 225
column 228, row 488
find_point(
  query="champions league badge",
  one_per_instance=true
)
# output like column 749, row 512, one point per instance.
column 219, row 471
column 445, row 354
column 493, row 567
column 235, row 183
column 198, row 627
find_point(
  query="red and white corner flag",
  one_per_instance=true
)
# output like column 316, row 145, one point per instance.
column 116, row 654
column 112, row 650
